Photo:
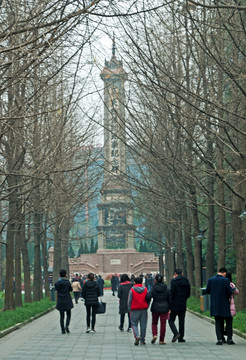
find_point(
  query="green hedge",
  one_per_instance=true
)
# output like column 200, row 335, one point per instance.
column 107, row 283
column 20, row 314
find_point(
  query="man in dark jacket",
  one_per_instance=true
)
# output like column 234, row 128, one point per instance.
column 123, row 292
column 64, row 300
column 100, row 283
column 180, row 292
column 220, row 290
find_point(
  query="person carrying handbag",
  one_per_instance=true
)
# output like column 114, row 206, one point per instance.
column 91, row 292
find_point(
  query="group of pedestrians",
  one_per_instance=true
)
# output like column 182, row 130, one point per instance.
column 166, row 305
column 135, row 299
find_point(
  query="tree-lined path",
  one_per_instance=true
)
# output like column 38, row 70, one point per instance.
column 42, row 340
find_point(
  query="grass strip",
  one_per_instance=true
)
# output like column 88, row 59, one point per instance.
column 20, row 314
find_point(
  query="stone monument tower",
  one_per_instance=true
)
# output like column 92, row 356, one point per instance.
column 116, row 246
column 115, row 229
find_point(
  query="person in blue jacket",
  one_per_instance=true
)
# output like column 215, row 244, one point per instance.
column 220, row 290
column 64, row 300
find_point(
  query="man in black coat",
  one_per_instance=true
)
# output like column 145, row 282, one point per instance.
column 180, row 292
column 220, row 290
column 64, row 300
column 123, row 292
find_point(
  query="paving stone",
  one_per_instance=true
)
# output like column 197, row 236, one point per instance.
column 42, row 340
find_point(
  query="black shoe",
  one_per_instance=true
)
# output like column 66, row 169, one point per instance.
column 181, row 340
column 154, row 339
column 230, row 342
column 137, row 341
column 121, row 328
column 129, row 330
column 175, row 337
column 63, row 331
column 219, row 342
column 67, row 329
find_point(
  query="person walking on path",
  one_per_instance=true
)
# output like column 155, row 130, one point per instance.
column 137, row 305
column 113, row 284
column 91, row 292
column 232, row 308
column 123, row 292
column 160, row 307
column 76, row 290
column 220, row 290
column 64, row 300
column 100, row 283
column 180, row 292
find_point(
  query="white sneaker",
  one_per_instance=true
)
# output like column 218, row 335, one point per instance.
column 88, row 331
column 93, row 331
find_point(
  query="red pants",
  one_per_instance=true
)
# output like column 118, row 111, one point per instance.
column 163, row 318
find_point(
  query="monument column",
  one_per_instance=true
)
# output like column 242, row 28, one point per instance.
column 115, row 229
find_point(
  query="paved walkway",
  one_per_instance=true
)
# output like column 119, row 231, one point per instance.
column 42, row 340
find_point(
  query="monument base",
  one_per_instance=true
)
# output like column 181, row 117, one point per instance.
column 107, row 262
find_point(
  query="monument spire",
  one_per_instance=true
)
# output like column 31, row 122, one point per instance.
column 115, row 229
column 113, row 46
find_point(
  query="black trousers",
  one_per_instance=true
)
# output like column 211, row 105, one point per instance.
column 76, row 296
column 91, row 316
column 62, row 316
column 122, row 319
column 181, row 317
column 219, row 327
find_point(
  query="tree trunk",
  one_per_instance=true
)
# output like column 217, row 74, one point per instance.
column 65, row 227
column 18, row 295
column 179, row 251
column 220, row 190
column 57, row 253
column 197, row 244
column 37, row 281
column 1, row 255
column 26, row 265
column 239, row 243
column 221, row 225
column 188, row 248
column 168, row 265
column 9, row 282
column 45, row 261
column 1, row 264
column 210, row 244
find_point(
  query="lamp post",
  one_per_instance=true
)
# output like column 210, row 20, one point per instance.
column 160, row 254
column 199, row 238
column 173, row 248
column 243, row 215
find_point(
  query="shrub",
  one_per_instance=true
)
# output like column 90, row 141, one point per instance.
column 20, row 314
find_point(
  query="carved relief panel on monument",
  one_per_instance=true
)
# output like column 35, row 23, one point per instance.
column 115, row 216
column 115, row 239
column 114, row 143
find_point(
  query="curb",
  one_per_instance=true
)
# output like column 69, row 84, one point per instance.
column 211, row 321
column 18, row 326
